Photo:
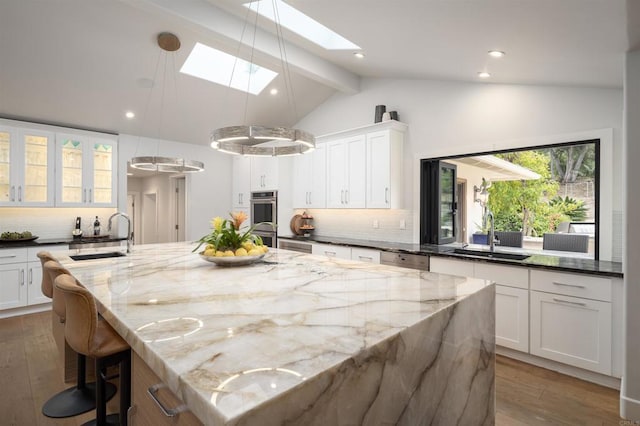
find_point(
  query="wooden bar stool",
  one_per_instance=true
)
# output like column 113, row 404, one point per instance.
column 91, row 337
column 81, row 397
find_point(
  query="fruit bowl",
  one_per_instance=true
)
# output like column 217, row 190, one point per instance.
column 231, row 260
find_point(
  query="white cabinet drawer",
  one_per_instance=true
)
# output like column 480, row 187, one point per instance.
column 504, row 275
column 450, row 266
column 13, row 255
column 330, row 250
column 578, row 285
column 365, row 255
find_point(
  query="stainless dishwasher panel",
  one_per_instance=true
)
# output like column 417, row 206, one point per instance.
column 413, row 261
column 294, row 246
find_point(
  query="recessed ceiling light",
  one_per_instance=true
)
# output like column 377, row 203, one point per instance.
column 130, row 114
column 129, row 174
column 301, row 24
column 496, row 53
column 484, row 74
column 358, row 55
column 199, row 64
column 273, row 91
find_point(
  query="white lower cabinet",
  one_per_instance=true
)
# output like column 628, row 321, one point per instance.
column 571, row 330
column 13, row 292
column 365, row 255
column 512, row 317
column 21, row 276
column 330, row 250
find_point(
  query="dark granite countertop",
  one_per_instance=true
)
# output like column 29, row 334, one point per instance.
column 539, row 261
column 51, row 241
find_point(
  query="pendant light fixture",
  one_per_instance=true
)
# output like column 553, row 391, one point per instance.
column 260, row 140
column 169, row 43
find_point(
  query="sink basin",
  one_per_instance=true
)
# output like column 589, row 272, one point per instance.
column 492, row 255
column 93, row 256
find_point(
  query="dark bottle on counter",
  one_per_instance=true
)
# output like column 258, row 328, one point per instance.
column 96, row 226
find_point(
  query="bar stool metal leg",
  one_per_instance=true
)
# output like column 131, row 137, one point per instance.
column 78, row 399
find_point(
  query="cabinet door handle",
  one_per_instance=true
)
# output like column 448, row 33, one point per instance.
column 342, row 196
column 84, row 196
column 346, row 196
column 20, row 193
column 90, row 197
column 169, row 412
column 21, row 277
column 13, row 193
column 330, row 253
column 569, row 302
column 309, row 197
column 386, row 195
column 30, row 276
column 7, row 256
column 569, row 285
column 365, row 257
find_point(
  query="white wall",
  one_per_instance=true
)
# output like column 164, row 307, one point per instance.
column 630, row 392
column 447, row 118
column 208, row 192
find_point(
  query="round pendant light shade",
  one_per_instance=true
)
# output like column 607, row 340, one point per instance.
column 166, row 164
column 262, row 141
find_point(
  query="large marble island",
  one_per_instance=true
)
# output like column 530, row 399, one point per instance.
column 300, row 339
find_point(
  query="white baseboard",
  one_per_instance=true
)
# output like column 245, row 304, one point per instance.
column 25, row 310
column 569, row 370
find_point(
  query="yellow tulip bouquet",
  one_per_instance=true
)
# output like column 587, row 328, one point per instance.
column 227, row 239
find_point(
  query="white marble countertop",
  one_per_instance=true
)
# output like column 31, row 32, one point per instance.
column 227, row 340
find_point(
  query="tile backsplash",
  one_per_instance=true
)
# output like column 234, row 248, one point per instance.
column 49, row 223
column 361, row 224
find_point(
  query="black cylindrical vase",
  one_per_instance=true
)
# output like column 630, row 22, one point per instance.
column 380, row 109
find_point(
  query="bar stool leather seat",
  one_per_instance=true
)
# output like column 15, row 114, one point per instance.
column 81, row 397
column 91, row 337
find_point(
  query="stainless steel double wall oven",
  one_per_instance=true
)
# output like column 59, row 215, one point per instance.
column 264, row 208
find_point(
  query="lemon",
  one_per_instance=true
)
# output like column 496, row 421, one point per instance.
column 210, row 252
column 209, row 246
column 228, row 253
column 255, row 252
column 248, row 245
column 264, row 249
column 219, row 253
column 241, row 252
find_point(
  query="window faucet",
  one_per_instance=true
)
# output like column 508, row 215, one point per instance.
column 124, row 215
column 492, row 231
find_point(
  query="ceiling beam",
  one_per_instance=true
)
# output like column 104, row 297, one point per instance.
column 226, row 29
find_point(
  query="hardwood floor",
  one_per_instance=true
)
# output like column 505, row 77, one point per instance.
column 525, row 394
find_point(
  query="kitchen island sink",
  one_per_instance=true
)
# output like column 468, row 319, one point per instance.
column 94, row 256
column 492, row 254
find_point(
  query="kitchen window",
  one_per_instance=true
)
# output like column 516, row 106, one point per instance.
column 544, row 198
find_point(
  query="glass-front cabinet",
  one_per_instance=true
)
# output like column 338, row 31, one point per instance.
column 87, row 173
column 26, row 167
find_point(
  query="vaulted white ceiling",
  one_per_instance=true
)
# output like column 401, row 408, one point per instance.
column 85, row 62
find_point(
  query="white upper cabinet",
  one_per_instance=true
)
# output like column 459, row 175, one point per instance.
column 241, row 182
column 346, row 172
column 364, row 166
column 264, row 173
column 26, row 167
column 309, row 179
column 86, row 171
column 384, row 169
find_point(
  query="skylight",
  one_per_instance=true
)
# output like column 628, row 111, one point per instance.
column 301, row 24
column 213, row 65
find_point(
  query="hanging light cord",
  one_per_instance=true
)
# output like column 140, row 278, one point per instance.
column 284, row 61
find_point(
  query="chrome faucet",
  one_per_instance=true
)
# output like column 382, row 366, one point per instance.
column 128, row 227
column 492, row 232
